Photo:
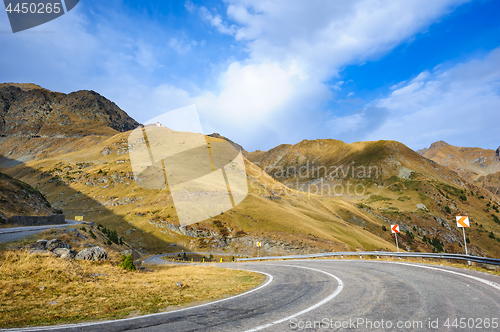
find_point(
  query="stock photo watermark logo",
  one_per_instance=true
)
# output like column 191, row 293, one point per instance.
column 25, row 14
column 205, row 179
column 328, row 181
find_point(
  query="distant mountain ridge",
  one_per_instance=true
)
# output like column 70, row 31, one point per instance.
column 313, row 196
column 463, row 160
column 28, row 110
column 480, row 166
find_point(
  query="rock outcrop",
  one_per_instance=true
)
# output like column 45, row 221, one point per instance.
column 65, row 253
column 50, row 245
column 92, row 254
column 38, row 112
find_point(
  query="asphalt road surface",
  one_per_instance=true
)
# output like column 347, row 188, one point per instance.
column 17, row 233
column 337, row 295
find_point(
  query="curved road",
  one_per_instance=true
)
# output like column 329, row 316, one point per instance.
column 336, row 295
column 16, row 233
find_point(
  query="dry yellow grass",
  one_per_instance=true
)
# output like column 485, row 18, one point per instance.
column 44, row 290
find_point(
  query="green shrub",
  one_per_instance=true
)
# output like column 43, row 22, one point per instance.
column 92, row 235
column 127, row 263
column 438, row 245
column 384, row 228
column 495, row 219
column 463, row 198
column 447, row 209
column 492, row 235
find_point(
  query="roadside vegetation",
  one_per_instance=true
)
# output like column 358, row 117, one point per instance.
column 45, row 290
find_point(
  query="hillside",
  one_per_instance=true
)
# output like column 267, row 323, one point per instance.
column 392, row 182
column 480, row 166
column 36, row 122
column 20, row 199
column 321, row 195
column 98, row 183
column 29, row 111
column 468, row 162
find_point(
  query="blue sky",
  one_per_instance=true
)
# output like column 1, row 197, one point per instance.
column 264, row 73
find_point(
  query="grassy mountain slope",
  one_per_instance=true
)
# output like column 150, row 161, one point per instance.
column 20, row 199
column 101, row 179
column 392, row 182
column 313, row 196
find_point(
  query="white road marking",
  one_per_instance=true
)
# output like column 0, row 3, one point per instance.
column 484, row 281
column 317, row 305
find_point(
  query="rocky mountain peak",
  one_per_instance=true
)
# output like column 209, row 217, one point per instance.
column 28, row 110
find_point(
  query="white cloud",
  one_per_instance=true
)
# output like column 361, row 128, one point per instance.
column 181, row 45
column 323, row 36
column 214, row 19
column 277, row 94
column 459, row 105
column 294, row 47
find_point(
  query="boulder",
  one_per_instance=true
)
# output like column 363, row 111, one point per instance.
column 56, row 243
column 39, row 245
column 65, row 253
column 498, row 153
column 92, row 254
column 422, row 207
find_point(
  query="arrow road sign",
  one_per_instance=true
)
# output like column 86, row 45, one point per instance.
column 463, row 221
column 259, row 244
column 395, row 229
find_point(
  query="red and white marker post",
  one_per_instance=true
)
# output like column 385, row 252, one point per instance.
column 395, row 230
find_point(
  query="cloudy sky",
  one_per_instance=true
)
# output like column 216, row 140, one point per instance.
column 268, row 72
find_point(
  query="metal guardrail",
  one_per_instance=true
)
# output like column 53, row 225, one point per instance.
column 477, row 259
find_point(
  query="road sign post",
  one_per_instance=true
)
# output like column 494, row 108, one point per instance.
column 465, row 241
column 395, row 230
column 463, row 222
column 259, row 244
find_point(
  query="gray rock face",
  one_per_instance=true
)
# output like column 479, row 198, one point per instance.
column 92, row 254
column 40, row 245
column 65, row 253
column 422, row 207
column 56, row 243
